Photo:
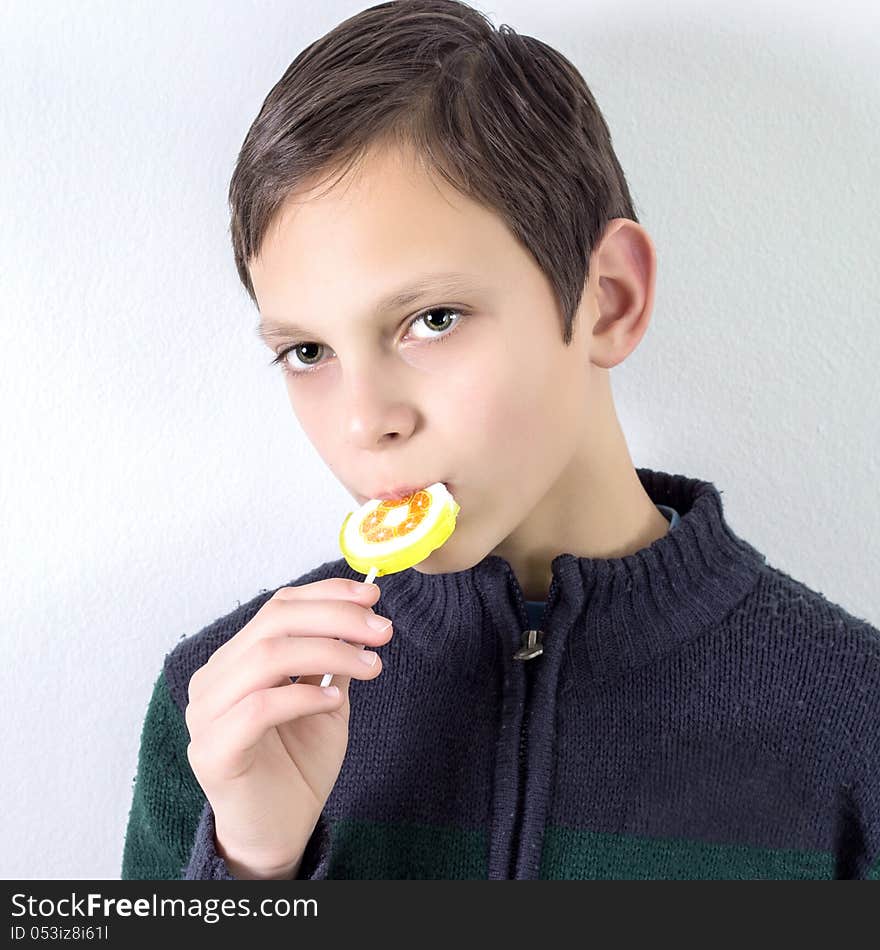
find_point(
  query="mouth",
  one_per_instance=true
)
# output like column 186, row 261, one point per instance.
column 396, row 494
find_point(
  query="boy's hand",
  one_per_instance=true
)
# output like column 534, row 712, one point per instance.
column 267, row 752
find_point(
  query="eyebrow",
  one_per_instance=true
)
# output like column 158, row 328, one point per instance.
column 269, row 329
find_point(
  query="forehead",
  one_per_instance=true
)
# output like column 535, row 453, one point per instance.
column 385, row 220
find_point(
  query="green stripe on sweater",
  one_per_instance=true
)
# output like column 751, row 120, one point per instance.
column 368, row 850
column 573, row 854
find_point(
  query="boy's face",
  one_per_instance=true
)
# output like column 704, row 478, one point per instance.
column 480, row 394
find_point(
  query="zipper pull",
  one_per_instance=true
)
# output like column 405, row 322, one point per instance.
column 531, row 645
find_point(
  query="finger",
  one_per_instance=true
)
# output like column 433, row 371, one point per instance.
column 332, row 589
column 221, row 752
column 272, row 662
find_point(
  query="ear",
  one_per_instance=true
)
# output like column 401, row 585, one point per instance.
column 623, row 271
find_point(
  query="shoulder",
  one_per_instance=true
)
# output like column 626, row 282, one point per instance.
column 790, row 608
column 815, row 654
column 194, row 651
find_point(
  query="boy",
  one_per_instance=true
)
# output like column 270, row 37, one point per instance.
column 594, row 676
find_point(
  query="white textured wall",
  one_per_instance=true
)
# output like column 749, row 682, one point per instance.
column 152, row 473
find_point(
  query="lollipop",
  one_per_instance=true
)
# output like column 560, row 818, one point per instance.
column 383, row 537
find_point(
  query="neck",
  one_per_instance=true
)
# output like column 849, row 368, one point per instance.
column 598, row 507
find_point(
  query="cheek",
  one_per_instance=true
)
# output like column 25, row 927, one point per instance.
column 310, row 410
column 492, row 405
column 302, row 408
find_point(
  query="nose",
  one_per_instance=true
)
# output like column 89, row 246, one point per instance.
column 377, row 407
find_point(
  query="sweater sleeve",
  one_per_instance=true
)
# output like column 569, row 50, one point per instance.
column 167, row 799
column 860, row 826
column 866, row 794
column 206, row 864
column 864, row 864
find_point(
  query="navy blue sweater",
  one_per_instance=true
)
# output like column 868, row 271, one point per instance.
column 686, row 711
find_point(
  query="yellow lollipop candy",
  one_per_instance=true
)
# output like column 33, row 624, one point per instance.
column 390, row 536
column 383, row 537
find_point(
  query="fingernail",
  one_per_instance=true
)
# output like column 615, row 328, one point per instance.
column 359, row 587
column 378, row 623
column 369, row 657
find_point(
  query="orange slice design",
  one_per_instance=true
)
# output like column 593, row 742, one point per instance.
column 372, row 529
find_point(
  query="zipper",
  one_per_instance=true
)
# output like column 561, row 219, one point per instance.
column 531, row 646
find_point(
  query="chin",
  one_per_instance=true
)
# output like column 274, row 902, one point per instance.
column 449, row 559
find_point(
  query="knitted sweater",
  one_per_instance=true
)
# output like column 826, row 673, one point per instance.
column 685, row 712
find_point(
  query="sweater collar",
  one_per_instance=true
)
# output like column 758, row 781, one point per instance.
column 618, row 613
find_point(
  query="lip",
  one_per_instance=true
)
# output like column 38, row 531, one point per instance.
column 395, row 494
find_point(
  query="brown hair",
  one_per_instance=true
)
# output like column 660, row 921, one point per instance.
column 504, row 118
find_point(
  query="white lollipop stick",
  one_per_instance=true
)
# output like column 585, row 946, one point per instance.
column 367, row 580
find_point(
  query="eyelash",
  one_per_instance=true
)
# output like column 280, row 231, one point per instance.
column 446, row 334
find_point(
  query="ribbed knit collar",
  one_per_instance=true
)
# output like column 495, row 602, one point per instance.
column 614, row 613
